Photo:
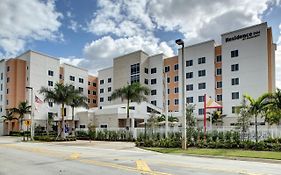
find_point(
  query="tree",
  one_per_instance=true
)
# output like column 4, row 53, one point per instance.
column 244, row 117
column 190, row 120
column 9, row 117
column 133, row 92
column 62, row 95
column 273, row 111
column 216, row 116
column 258, row 107
column 22, row 109
column 78, row 101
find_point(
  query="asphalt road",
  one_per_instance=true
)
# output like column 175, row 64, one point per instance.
column 113, row 158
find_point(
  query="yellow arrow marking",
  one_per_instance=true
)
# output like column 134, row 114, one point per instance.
column 74, row 156
column 141, row 165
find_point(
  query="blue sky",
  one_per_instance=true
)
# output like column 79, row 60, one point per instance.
column 90, row 33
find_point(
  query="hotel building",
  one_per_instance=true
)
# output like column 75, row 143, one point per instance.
column 243, row 63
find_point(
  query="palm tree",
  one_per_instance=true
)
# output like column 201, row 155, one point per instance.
column 78, row 101
column 132, row 92
column 62, row 95
column 9, row 117
column 22, row 109
column 216, row 116
column 258, row 107
column 273, row 113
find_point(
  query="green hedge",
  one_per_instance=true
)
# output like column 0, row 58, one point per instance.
column 228, row 140
column 53, row 139
column 105, row 135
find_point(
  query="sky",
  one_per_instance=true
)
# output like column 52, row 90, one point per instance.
column 90, row 33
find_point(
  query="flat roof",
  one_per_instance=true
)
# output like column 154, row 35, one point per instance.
column 131, row 53
column 40, row 53
column 200, row 43
column 75, row 66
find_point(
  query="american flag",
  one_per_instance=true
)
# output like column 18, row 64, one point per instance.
column 38, row 100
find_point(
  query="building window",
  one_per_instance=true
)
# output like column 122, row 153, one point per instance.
column 50, row 83
column 154, row 102
column 72, row 78
column 153, row 92
column 89, row 91
column 88, row 100
column 235, row 95
column 145, row 81
column 201, row 98
column 189, row 75
column 167, row 69
column 189, row 87
column 176, row 90
column 234, row 53
column 219, row 97
column 235, row 81
column 234, row 67
column 8, row 79
column 81, row 80
column 189, row 63
column 1, row 76
column 61, row 76
column 101, row 99
column 168, row 102
column 8, row 68
column 201, row 60
column 233, row 109
column 146, row 70
column 94, row 93
column 50, row 104
column 135, row 69
column 176, row 101
column 219, row 84
column 101, row 81
column 109, row 98
column 201, row 73
column 7, row 102
column 1, row 87
column 94, row 101
column 109, row 89
column 80, row 89
column 153, row 81
column 50, row 73
column 189, row 99
column 7, row 91
column 168, row 79
column 153, row 70
column 89, row 83
column 201, row 111
column 176, row 78
column 201, row 85
column 176, row 66
column 94, row 84
column 101, row 91
column 109, row 80
column 218, row 71
column 135, row 78
column 218, row 59
column 168, row 91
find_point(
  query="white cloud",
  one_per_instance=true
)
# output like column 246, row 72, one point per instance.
column 71, row 60
column 25, row 21
column 99, row 53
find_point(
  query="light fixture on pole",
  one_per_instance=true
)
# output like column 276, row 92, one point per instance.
column 180, row 42
column 32, row 114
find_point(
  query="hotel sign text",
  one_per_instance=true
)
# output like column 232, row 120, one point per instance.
column 243, row 36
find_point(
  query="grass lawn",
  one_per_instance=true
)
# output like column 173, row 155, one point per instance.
column 221, row 152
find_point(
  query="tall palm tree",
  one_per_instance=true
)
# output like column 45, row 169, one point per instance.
column 62, row 94
column 22, row 109
column 273, row 113
column 133, row 92
column 258, row 107
column 9, row 117
column 78, row 101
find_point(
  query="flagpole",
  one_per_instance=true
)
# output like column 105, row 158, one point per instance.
column 205, row 117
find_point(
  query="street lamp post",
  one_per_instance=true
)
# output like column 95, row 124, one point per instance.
column 180, row 42
column 32, row 114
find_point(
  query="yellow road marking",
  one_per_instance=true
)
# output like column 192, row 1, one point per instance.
column 141, row 165
column 74, row 156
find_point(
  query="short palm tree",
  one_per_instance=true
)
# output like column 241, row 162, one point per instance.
column 258, row 107
column 273, row 113
column 62, row 94
column 78, row 101
column 216, row 116
column 133, row 92
column 22, row 109
column 9, row 117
